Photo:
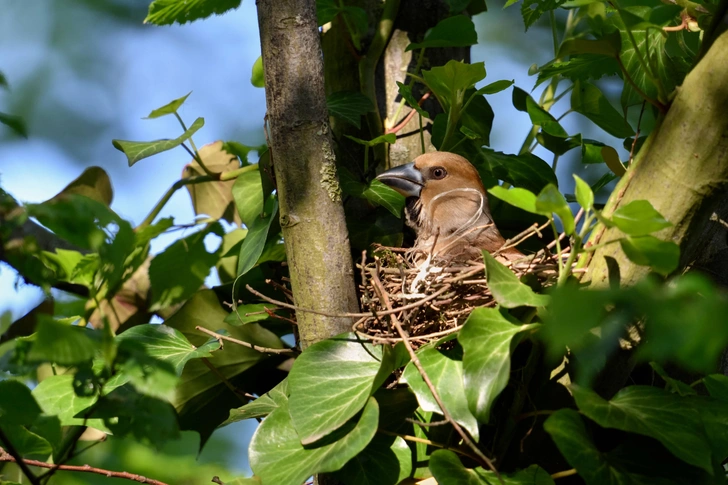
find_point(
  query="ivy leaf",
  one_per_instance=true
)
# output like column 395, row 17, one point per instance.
column 169, row 108
column 167, row 12
column 584, row 194
column 56, row 397
column 507, row 290
column 261, row 407
column 662, row 256
column 591, row 151
column 445, row 370
column 532, row 10
column 639, row 218
column 381, row 194
column 582, row 67
column 331, row 381
column 406, row 92
column 525, row 171
column 62, row 343
column 495, row 87
column 247, row 192
column 26, row 442
column 521, row 198
column 549, row 201
column 257, row 75
column 456, row 31
column 349, row 106
column 651, row 412
column 589, row 101
column 387, row 460
column 488, row 341
column 139, row 150
column 277, row 455
column 448, row 470
column 390, row 138
column 523, row 101
column 449, row 82
column 254, row 242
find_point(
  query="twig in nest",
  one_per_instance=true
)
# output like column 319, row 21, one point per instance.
column 416, row 361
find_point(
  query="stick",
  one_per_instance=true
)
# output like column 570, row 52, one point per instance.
column 265, row 350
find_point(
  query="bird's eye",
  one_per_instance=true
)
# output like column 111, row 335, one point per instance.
column 439, row 173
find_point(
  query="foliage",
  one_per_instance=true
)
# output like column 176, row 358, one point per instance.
column 346, row 405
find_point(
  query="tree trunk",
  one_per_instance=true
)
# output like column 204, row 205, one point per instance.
column 311, row 213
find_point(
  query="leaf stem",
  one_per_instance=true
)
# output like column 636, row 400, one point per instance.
column 170, row 192
column 195, row 154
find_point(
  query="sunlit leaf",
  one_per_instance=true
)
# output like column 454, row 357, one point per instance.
column 62, row 343
column 261, row 407
column 507, row 290
column 257, row 76
column 521, row 198
column 254, row 242
column 639, row 218
column 248, row 195
column 589, row 101
column 169, row 108
column 550, row 200
column 525, row 171
column 139, row 150
column 523, row 101
column 662, row 256
column 387, row 197
column 167, row 12
column 495, row 87
column 584, row 194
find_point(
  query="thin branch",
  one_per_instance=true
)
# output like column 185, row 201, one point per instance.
column 23, row 464
column 265, row 350
column 565, row 473
column 384, row 298
column 13, row 456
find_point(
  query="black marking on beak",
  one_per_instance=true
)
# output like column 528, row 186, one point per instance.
column 405, row 179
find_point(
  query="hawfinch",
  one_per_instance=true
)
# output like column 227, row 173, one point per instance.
column 447, row 207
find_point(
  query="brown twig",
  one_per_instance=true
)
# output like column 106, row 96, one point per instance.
column 384, row 298
column 265, row 350
column 425, row 441
column 23, row 464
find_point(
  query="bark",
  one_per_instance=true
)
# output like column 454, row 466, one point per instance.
column 311, row 213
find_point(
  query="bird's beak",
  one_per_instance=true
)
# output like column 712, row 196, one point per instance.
column 405, row 179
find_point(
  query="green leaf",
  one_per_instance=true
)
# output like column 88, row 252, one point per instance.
column 93, row 183
column 202, row 399
column 456, row 31
column 331, row 381
column 257, row 76
column 582, row 67
column 589, row 101
column 651, row 412
column 349, row 106
column 61, row 343
column 495, row 87
column 15, row 123
column 250, row 313
column 488, row 342
column 591, row 151
column 445, row 370
column 507, row 290
column 556, row 144
column 639, row 218
column 406, row 92
column 261, row 407
column 662, row 256
column 449, row 82
column 717, row 385
column 525, row 171
column 17, row 404
column 381, row 194
column 254, row 242
column 169, row 108
column 521, row 198
column 387, row 460
column 523, row 101
column 277, row 455
column 584, row 194
column 173, row 282
column 549, row 201
column 139, row 150
column 167, row 12
column 611, row 158
column 532, row 10
column 248, row 195
column 26, row 442
column 56, row 397
column 448, row 470
column 609, row 45
column 388, row 138
column 167, row 344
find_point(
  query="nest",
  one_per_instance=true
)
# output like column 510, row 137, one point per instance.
column 433, row 298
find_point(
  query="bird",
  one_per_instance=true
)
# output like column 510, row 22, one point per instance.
column 447, row 206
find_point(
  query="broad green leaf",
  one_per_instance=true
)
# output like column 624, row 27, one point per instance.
column 406, row 92
column 56, row 397
column 525, row 171
column 488, row 341
column 445, row 370
column 48, row 428
column 93, row 183
column 609, row 46
column 15, row 123
column 17, row 404
column 584, row 194
column 277, row 455
column 331, row 381
column 639, row 218
column 456, row 31
column 169, row 108
column 448, row 470
column 26, row 442
column 532, row 10
column 651, row 412
column 589, row 101
column 248, row 195
column 349, row 106
column 449, row 82
column 611, row 158
column 244, row 481
column 249, row 313
column 173, row 282
column 662, row 256
column 388, row 138
column 591, row 151
column 261, row 407
column 556, row 144
column 521, row 198
column 254, row 241
column 507, row 290
column 549, row 201
column 202, row 399
column 495, row 87
column 582, row 67
column 167, row 344
column 395, row 405
column 139, row 150
column 62, row 343
column 523, row 101
column 213, row 198
column 227, row 265
column 478, row 116
column 387, row 197
column 257, row 76
column 387, row 460
column 167, row 12
column 673, row 385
